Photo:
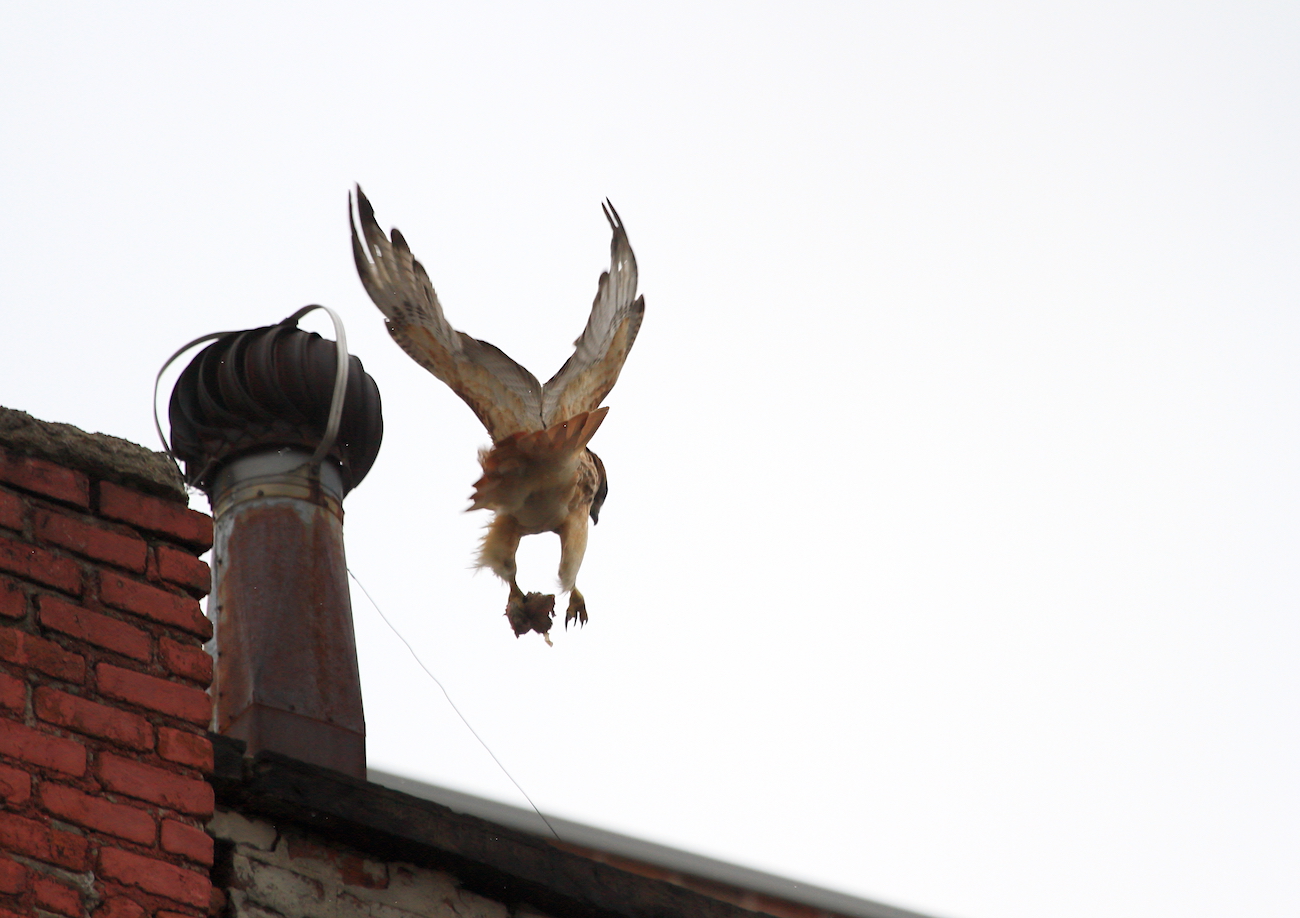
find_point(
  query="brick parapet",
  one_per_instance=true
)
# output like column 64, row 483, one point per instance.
column 103, row 709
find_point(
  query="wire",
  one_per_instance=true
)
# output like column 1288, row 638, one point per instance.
column 453, row 706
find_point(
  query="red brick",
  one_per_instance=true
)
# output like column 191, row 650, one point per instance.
column 120, row 907
column 41, row 749
column 157, row 877
column 91, row 540
column 185, row 748
column 189, row 662
column 187, row 841
column 153, row 603
column 159, row 695
column 93, row 719
column 25, row 836
column 13, row 601
column 56, row 897
column 183, row 569
column 11, row 510
column 13, row 693
column 23, row 649
column 155, row 515
column 15, row 785
column 37, row 564
column 13, row 877
column 95, row 628
column 356, row 871
column 145, row 782
column 31, row 474
column 96, row 813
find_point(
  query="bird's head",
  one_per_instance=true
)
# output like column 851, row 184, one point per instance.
column 602, row 488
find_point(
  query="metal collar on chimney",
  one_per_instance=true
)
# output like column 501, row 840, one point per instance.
column 285, row 473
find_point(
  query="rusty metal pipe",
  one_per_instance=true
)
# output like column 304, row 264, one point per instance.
column 247, row 415
column 286, row 676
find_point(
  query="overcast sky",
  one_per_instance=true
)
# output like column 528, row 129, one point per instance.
column 950, row 556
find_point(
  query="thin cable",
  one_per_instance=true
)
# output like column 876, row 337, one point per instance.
column 453, row 706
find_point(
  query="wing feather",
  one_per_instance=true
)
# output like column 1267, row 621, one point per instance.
column 616, row 313
column 504, row 396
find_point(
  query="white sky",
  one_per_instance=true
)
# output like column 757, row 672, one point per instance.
column 950, row 553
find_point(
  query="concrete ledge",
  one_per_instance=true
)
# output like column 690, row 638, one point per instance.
column 98, row 455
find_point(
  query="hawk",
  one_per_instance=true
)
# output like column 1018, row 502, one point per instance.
column 538, row 475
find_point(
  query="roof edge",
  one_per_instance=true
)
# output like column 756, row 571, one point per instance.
column 486, row 858
column 632, row 853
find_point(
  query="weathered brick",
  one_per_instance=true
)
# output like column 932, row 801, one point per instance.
column 15, row 785
column 159, row 695
column 46, row 478
column 352, row 869
column 157, row 877
column 242, row 831
column 96, row 813
column 13, row 601
column 183, row 569
column 13, row 693
column 93, row 719
column 188, row 662
column 25, row 836
column 41, row 749
column 11, row 510
column 91, row 540
column 23, row 649
column 57, row 897
column 37, row 564
column 120, row 907
column 145, row 782
column 13, row 877
column 95, row 628
column 280, row 890
column 217, row 903
column 185, row 748
column 155, row 515
column 187, row 841
column 153, row 603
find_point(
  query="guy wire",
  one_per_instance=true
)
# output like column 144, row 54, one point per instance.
column 453, row 706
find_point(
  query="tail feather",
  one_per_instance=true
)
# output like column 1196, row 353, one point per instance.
column 507, row 463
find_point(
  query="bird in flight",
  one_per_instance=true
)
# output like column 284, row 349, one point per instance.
column 538, row 475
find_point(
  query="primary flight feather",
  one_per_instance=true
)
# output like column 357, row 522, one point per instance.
column 538, row 475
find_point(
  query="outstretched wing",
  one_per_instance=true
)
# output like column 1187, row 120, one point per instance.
column 587, row 376
column 505, row 396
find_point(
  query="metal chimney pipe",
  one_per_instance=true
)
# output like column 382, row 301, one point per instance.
column 247, row 415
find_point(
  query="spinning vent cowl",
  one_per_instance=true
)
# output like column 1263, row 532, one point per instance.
column 246, row 416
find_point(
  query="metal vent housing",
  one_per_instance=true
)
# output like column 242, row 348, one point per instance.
column 268, row 388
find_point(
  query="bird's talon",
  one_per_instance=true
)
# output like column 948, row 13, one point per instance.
column 577, row 610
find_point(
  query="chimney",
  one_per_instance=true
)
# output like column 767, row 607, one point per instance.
column 248, row 416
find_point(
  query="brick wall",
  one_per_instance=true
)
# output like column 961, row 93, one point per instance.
column 276, row 869
column 103, row 708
